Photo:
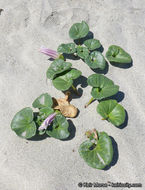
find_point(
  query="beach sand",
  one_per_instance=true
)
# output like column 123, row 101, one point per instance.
column 51, row 164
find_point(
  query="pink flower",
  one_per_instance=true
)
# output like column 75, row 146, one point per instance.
column 47, row 122
column 51, row 53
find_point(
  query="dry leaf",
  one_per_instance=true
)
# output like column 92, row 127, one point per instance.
column 94, row 132
column 62, row 104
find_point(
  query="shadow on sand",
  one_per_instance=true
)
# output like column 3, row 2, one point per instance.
column 115, row 154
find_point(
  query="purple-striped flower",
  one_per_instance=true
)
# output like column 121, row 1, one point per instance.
column 51, row 53
column 47, row 122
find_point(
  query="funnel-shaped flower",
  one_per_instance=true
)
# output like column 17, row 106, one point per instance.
column 51, row 53
column 47, row 122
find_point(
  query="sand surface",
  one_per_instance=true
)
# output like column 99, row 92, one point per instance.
column 50, row 164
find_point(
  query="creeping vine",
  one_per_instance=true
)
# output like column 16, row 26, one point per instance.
column 51, row 114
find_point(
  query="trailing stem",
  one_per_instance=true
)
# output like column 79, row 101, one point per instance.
column 75, row 90
column 90, row 101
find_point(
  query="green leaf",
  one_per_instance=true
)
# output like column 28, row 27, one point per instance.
column 46, row 112
column 118, row 55
column 57, row 66
column 67, row 48
column 61, row 83
column 64, row 82
column 92, row 44
column 43, row 114
column 44, row 100
column 59, row 128
column 79, row 30
column 82, row 52
column 112, row 111
column 96, row 60
column 23, row 123
column 97, row 155
column 102, row 86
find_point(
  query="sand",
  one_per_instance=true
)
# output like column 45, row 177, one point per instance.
column 50, row 164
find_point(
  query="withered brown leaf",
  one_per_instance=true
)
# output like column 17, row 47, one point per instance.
column 64, row 106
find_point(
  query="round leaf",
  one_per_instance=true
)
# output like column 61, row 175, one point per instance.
column 79, row 30
column 118, row 55
column 44, row 100
column 57, row 66
column 82, row 52
column 23, row 123
column 65, row 81
column 73, row 74
column 96, row 60
column 92, row 44
column 100, row 155
column 112, row 111
column 59, row 128
column 67, row 48
column 102, row 86
column 62, row 83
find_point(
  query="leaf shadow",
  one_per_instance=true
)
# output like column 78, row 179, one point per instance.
column 122, row 126
column 1, row 10
column 80, row 41
column 118, row 97
column 82, row 81
column 105, row 71
column 100, row 49
column 71, row 129
column 38, row 137
column 74, row 95
column 70, row 56
column 122, row 65
column 115, row 154
column 51, row 59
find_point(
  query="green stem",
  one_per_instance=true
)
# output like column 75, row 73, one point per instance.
column 57, row 111
column 107, row 116
column 61, row 56
column 79, row 42
column 90, row 101
column 75, row 90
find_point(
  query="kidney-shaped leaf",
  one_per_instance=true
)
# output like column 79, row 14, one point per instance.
column 96, row 60
column 73, row 74
column 79, row 30
column 92, row 44
column 112, row 111
column 23, row 123
column 57, row 66
column 59, row 128
column 102, row 86
column 44, row 100
column 97, row 155
column 118, row 55
column 82, row 52
column 67, row 48
column 64, row 82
